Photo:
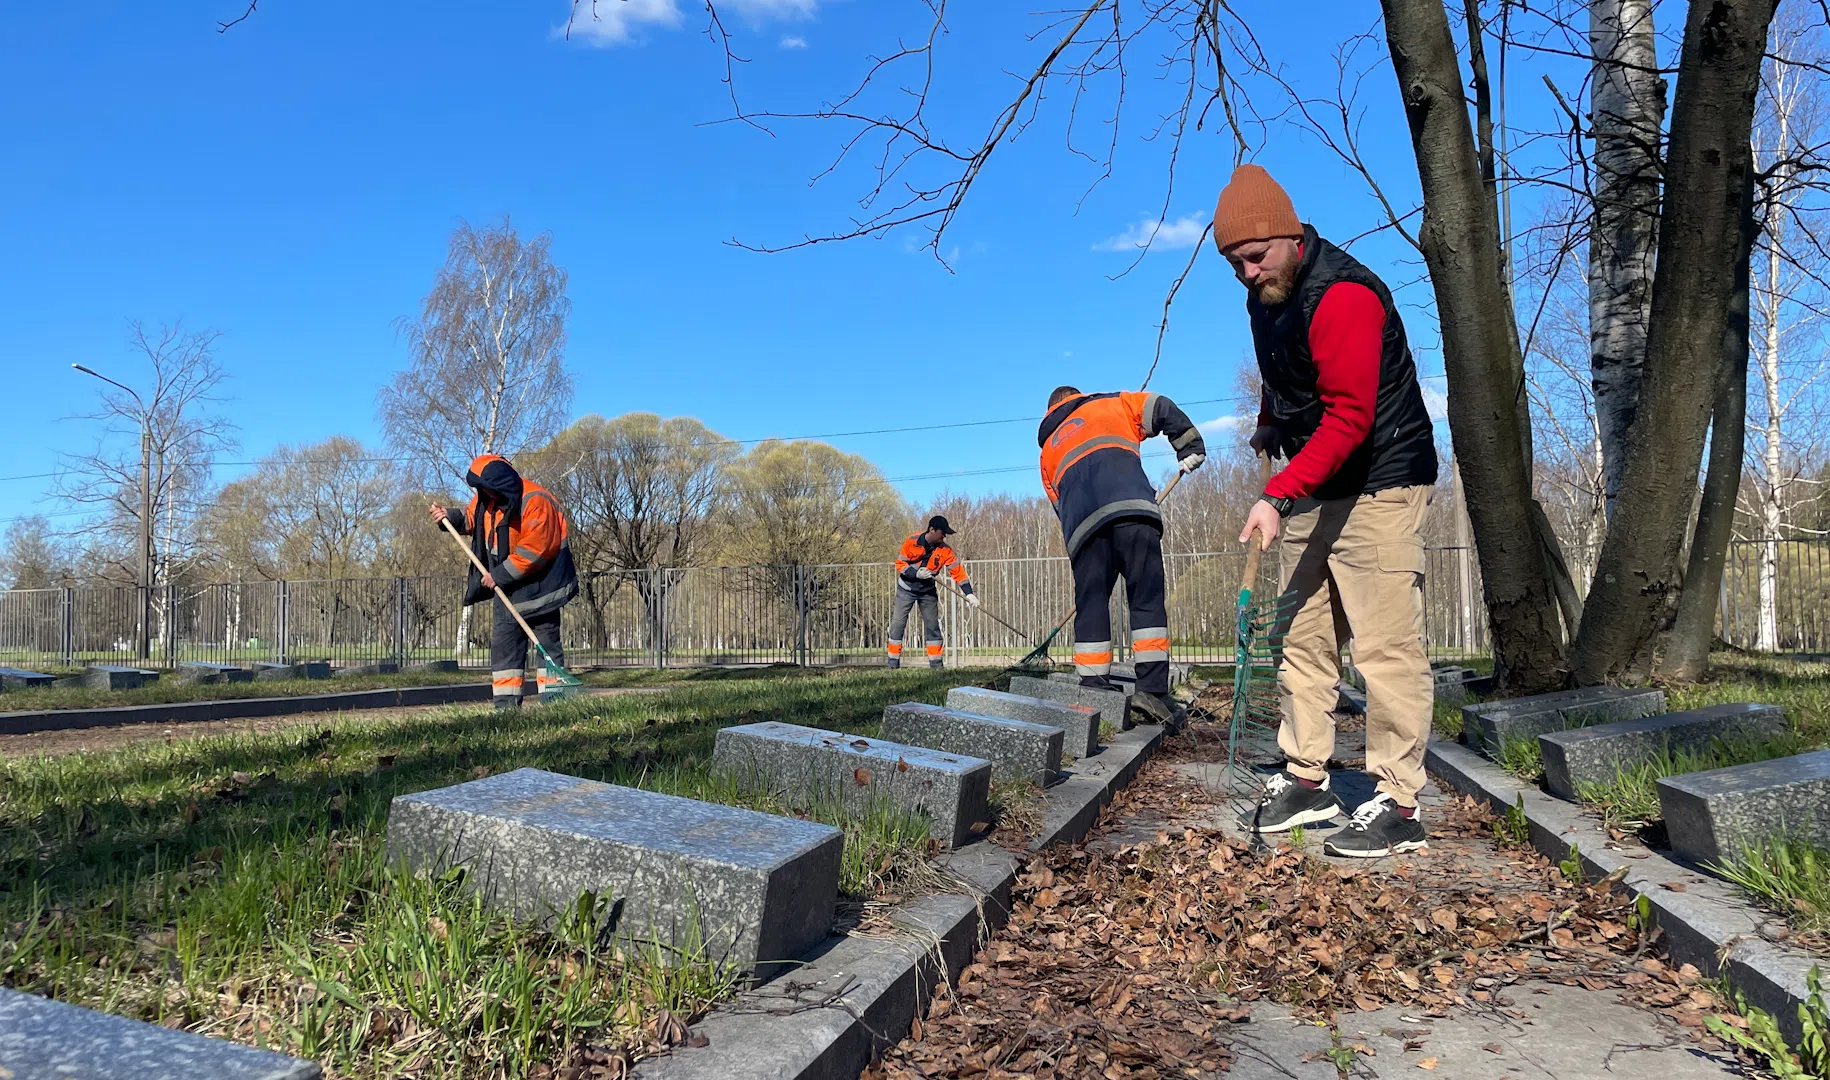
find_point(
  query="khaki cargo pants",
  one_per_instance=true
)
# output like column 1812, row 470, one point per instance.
column 1353, row 568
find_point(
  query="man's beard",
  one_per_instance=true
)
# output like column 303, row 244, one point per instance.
column 1274, row 290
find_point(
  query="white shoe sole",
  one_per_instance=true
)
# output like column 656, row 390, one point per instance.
column 1394, row 849
column 1307, row 817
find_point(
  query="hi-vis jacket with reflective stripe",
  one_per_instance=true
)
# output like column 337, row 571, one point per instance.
column 1091, row 466
column 517, row 530
column 916, row 554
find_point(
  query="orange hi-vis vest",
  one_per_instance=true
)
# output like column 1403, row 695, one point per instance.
column 1092, row 466
column 916, row 555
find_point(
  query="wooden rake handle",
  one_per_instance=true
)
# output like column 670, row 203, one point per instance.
column 1254, row 551
column 484, row 570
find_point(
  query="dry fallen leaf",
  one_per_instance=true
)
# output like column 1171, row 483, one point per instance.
column 1427, row 1063
column 862, row 776
column 1494, row 1048
column 1674, row 886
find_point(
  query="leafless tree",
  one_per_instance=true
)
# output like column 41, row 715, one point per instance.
column 488, row 356
column 32, row 556
column 186, row 433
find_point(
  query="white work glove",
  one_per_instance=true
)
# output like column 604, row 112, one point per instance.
column 973, row 599
column 1191, row 462
column 1264, row 438
column 925, row 574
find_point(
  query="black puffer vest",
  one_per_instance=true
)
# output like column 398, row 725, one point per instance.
column 1400, row 451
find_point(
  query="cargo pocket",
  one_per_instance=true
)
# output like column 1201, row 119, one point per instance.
column 1401, row 558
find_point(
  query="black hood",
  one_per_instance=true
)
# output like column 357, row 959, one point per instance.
column 495, row 479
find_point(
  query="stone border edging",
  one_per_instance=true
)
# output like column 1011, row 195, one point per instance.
column 831, row 1019
column 1710, row 924
column 182, row 712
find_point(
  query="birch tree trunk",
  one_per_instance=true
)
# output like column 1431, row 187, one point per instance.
column 1628, row 114
column 1772, row 504
column 1636, row 578
column 1461, row 245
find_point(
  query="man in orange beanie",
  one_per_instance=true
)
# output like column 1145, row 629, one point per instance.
column 1341, row 402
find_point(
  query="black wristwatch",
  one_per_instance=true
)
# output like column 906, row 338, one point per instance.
column 1283, row 506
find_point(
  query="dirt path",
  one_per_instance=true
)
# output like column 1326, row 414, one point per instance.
column 94, row 739
column 1168, row 945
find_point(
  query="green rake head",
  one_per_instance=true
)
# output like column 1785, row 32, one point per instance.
column 554, row 681
column 1257, row 711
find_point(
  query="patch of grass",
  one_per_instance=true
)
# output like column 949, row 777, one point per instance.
column 1016, row 808
column 1802, row 690
column 1629, row 800
column 1512, row 828
column 1789, row 876
column 1522, row 757
column 237, row 885
column 1759, row 1034
column 1446, row 721
column 169, row 690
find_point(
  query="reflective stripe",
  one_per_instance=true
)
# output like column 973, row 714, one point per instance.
column 1087, row 668
column 1093, row 657
column 895, row 648
column 1149, row 417
column 1145, row 508
column 1149, row 656
column 1099, row 442
column 1185, row 438
column 936, row 650
column 1144, row 633
column 505, row 683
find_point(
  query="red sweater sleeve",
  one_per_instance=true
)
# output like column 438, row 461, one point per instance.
column 1346, row 337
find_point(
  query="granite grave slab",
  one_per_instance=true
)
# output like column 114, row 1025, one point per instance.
column 42, row 1039
column 952, row 790
column 1080, row 723
column 198, row 671
column 1715, row 814
column 381, row 667
column 20, row 679
column 1111, row 704
column 110, row 677
column 448, row 667
column 1123, row 685
column 1596, row 754
column 1017, row 750
column 749, row 891
column 274, row 672
column 1486, row 724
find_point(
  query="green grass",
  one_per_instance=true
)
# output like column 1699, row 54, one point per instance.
column 1522, row 757
column 1629, row 799
column 169, row 690
column 237, row 885
column 1802, row 690
column 1790, row 876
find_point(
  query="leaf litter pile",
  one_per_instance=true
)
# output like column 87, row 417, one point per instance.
column 1143, row 961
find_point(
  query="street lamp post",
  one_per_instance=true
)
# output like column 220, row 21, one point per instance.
column 146, row 571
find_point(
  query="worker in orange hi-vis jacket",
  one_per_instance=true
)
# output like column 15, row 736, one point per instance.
column 517, row 529
column 924, row 557
column 1093, row 472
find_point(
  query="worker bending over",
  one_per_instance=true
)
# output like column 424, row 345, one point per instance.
column 517, row 530
column 1342, row 402
column 1093, row 471
column 924, row 557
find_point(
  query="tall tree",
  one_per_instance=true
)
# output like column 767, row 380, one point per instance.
column 1627, row 100
column 32, row 556
column 1700, row 231
column 488, row 356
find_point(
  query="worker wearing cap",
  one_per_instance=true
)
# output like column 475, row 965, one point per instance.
column 517, row 530
column 924, row 557
column 1093, row 471
column 1342, row 403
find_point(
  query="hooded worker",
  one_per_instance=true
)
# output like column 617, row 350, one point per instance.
column 924, row 557
column 518, row 531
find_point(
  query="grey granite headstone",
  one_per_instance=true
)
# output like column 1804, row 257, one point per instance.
column 1486, row 724
column 381, row 667
column 42, row 1039
column 952, row 790
column 310, row 669
column 1119, row 683
column 1080, row 723
column 1016, row 750
column 1110, row 703
column 197, row 671
column 1596, row 754
column 749, row 891
column 18, row 679
column 109, row 677
column 1715, row 814
column 448, row 667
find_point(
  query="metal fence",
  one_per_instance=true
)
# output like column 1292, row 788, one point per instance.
column 653, row 618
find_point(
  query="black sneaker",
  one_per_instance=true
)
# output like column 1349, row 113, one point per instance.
column 1161, row 709
column 1377, row 829
column 1287, row 802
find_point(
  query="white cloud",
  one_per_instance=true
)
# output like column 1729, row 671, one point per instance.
column 1435, row 402
column 1183, row 232
column 620, row 22
column 1222, row 424
column 793, row 41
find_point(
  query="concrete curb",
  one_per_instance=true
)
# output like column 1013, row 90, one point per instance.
column 857, row 995
column 1710, row 924
column 183, row 712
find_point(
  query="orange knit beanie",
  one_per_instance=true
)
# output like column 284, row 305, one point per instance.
column 1253, row 207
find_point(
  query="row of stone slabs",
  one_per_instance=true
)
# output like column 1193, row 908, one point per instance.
column 1589, row 735
column 112, row 677
column 751, row 890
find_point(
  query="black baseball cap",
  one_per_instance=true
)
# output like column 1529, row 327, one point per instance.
column 938, row 522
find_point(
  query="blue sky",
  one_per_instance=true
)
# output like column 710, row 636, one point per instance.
column 292, row 183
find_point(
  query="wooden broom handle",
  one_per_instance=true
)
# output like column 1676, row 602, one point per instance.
column 484, row 570
column 1254, row 545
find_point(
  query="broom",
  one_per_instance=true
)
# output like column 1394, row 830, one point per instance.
column 550, row 671
column 1040, row 652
